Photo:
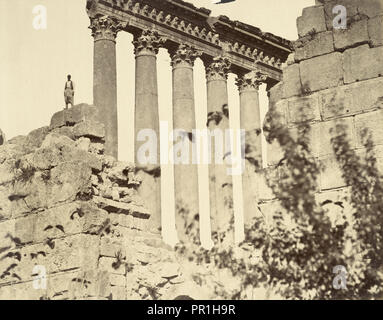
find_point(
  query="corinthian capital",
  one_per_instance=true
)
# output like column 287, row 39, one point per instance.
column 251, row 81
column 184, row 55
column 218, row 69
column 149, row 42
column 105, row 28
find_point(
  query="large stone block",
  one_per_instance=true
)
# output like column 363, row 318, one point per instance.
column 362, row 63
column 351, row 99
column 74, row 285
column 373, row 121
column 78, row 251
column 112, row 266
column 375, row 30
column 25, row 228
column 66, row 182
column 331, row 176
column 7, row 229
column 336, row 102
column 276, row 93
column 371, row 8
column 58, row 149
column 312, row 20
column 118, row 293
column 322, row 72
column 281, row 112
column 318, row 45
column 352, row 11
column 64, row 131
column 313, row 137
column 35, row 138
column 117, row 280
column 85, row 284
column 366, row 94
column 112, row 248
column 76, row 114
column 89, row 129
column 69, row 219
column 57, row 222
column 274, row 153
column 21, row 291
column 292, row 81
column 303, row 109
column 325, row 134
column 356, row 33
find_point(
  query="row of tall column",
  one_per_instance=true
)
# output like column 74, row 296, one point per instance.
column 147, row 44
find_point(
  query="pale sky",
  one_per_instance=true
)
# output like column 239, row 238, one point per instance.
column 34, row 64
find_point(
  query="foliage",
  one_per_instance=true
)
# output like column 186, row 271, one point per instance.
column 294, row 256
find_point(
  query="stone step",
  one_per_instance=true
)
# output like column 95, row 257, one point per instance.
column 120, row 207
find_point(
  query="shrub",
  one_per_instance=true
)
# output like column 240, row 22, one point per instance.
column 295, row 256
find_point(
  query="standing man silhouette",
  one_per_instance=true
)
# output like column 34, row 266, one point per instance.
column 69, row 92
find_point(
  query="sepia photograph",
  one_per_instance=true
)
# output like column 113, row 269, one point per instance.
column 171, row 151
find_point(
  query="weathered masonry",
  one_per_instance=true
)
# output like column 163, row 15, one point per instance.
column 187, row 33
column 73, row 212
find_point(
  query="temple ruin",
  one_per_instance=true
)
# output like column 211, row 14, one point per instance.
column 91, row 223
column 186, row 32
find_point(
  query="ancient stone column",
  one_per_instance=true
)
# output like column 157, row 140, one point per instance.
column 220, row 181
column 104, row 31
column 185, row 172
column 147, row 118
column 250, row 121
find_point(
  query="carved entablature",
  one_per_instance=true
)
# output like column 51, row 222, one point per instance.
column 251, row 81
column 246, row 47
column 184, row 55
column 218, row 69
column 105, row 27
column 149, row 42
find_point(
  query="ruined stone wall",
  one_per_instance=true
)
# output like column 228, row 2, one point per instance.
column 67, row 208
column 334, row 75
column 70, row 209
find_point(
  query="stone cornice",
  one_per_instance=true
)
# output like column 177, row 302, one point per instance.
column 247, row 47
column 149, row 42
column 184, row 55
column 218, row 69
column 250, row 81
column 105, row 28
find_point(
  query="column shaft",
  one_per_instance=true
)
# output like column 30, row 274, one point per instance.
column 185, row 172
column 220, row 181
column 147, row 117
column 250, row 121
column 105, row 78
